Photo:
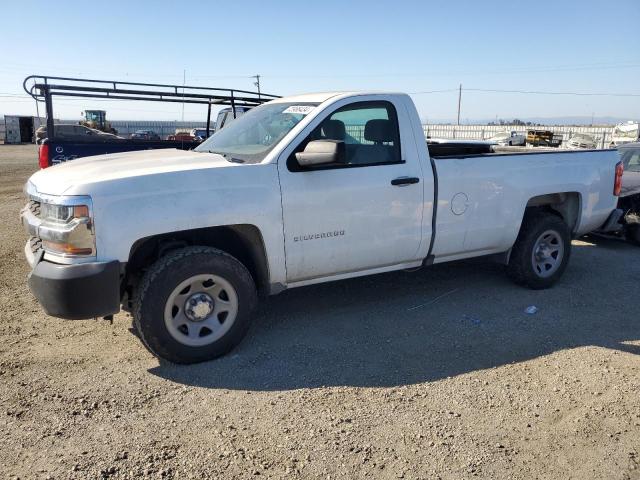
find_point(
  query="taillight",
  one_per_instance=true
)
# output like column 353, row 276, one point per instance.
column 43, row 156
column 617, row 184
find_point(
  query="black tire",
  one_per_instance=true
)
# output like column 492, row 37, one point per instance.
column 162, row 279
column 521, row 262
column 632, row 233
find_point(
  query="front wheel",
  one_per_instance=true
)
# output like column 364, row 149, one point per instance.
column 194, row 304
column 541, row 252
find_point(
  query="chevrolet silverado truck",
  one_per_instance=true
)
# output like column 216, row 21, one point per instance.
column 298, row 191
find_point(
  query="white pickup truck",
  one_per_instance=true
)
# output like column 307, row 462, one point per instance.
column 300, row 190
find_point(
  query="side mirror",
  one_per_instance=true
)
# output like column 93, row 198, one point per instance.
column 322, row 152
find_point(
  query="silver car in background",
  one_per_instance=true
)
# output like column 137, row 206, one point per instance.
column 508, row 138
column 582, row 140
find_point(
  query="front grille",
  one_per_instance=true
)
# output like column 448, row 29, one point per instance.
column 35, row 243
column 34, row 207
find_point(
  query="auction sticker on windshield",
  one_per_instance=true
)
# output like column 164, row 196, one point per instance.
column 299, row 109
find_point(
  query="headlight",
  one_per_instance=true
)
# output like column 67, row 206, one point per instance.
column 63, row 213
column 67, row 226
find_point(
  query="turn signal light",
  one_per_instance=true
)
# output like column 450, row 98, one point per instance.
column 617, row 184
column 43, row 156
column 65, row 248
column 80, row 211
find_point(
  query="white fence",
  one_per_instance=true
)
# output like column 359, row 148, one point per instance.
column 470, row 132
column 602, row 135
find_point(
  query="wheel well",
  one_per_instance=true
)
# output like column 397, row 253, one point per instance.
column 244, row 242
column 566, row 204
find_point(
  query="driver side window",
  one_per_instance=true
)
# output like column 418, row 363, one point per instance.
column 369, row 131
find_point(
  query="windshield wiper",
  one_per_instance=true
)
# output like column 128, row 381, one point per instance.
column 228, row 157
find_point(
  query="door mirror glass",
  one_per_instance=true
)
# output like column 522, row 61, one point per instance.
column 322, row 152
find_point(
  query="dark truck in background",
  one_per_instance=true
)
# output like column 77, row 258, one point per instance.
column 53, row 151
column 61, row 148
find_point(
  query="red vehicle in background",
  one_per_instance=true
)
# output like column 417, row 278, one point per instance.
column 182, row 136
column 195, row 135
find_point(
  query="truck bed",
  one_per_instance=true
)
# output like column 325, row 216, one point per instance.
column 481, row 149
column 457, row 148
column 486, row 194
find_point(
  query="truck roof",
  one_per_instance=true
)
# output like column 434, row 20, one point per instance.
column 320, row 97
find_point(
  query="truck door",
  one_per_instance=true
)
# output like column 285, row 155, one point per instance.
column 364, row 213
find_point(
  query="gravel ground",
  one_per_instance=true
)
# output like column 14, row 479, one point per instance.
column 432, row 374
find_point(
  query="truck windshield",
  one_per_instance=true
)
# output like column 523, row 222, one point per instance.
column 250, row 137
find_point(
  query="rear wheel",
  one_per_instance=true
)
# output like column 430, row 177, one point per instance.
column 194, row 305
column 541, row 252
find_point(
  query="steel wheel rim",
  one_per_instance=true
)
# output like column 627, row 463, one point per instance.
column 547, row 255
column 200, row 310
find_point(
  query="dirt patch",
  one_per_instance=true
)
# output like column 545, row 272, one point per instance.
column 360, row 378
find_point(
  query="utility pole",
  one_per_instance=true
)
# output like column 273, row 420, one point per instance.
column 184, row 81
column 257, row 83
column 459, row 101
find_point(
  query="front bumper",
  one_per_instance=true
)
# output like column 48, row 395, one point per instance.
column 76, row 292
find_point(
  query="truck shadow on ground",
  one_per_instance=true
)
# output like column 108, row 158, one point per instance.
column 404, row 328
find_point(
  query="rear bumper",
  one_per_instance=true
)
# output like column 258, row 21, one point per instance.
column 613, row 223
column 79, row 291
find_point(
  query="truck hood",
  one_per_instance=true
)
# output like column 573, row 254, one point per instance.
column 58, row 179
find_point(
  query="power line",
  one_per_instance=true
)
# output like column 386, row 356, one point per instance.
column 532, row 92
column 535, row 92
column 14, row 67
column 434, row 91
column 424, row 92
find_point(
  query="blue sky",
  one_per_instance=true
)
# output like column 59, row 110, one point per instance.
column 410, row 46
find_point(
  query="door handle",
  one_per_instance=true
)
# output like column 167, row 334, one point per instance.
column 400, row 181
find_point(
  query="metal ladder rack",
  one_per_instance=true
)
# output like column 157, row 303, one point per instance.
column 43, row 88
